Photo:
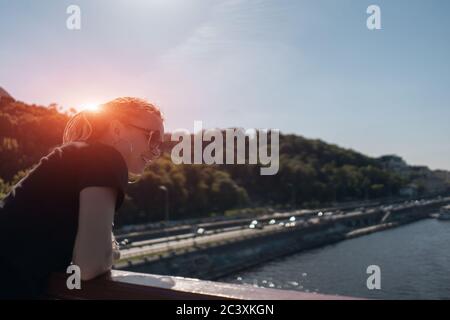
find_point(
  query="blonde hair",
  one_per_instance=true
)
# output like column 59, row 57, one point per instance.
column 90, row 125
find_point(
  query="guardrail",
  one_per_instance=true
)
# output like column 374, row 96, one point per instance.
column 123, row 285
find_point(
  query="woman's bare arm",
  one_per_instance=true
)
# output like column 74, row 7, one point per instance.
column 93, row 249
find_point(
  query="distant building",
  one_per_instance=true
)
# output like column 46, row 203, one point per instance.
column 409, row 191
column 422, row 179
column 394, row 163
column 431, row 181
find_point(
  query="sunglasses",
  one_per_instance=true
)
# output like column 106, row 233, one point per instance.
column 154, row 141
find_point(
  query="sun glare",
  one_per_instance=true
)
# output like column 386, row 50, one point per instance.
column 90, row 107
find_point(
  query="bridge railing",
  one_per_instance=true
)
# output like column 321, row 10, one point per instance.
column 124, row 285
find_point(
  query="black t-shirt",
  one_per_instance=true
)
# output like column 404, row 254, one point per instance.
column 39, row 217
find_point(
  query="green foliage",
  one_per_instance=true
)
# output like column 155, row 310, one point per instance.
column 194, row 191
column 27, row 132
column 311, row 173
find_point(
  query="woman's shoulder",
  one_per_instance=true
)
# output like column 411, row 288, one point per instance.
column 99, row 159
column 89, row 158
column 101, row 165
column 92, row 151
column 86, row 158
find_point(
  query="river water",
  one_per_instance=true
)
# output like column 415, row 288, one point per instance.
column 414, row 262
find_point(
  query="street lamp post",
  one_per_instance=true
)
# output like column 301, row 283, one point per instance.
column 166, row 202
column 293, row 200
column 166, row 212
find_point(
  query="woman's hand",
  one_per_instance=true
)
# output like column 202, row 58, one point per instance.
column 116, row 255
column 115, row 248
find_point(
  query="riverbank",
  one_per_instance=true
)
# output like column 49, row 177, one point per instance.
column 413, row 260
column 217, row 259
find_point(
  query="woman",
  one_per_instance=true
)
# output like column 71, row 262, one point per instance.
column 63, row 210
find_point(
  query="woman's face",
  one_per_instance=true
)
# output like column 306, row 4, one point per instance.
column 140, row 141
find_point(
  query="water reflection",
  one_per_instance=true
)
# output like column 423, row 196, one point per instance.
column 414, row 262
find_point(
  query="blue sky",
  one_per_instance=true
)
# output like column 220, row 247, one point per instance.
column 309, row 67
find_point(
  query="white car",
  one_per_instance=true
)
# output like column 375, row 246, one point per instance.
column 255, row 224
column 200, row 231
